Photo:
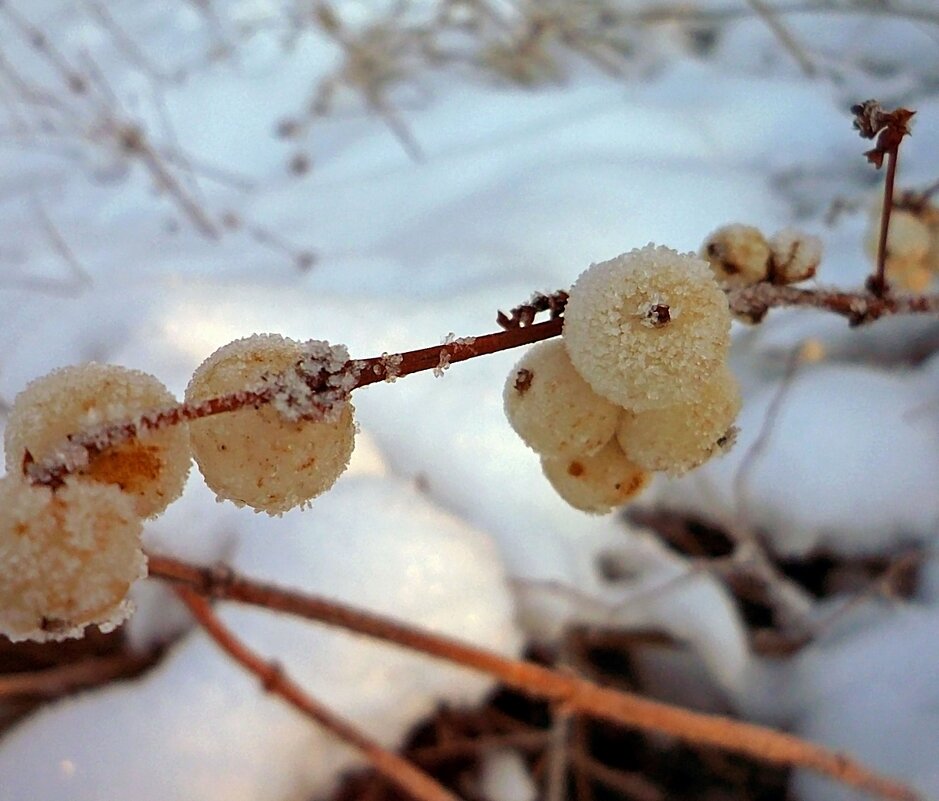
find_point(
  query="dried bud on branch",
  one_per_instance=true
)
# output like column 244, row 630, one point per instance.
column 870, row 119
column 524, row 315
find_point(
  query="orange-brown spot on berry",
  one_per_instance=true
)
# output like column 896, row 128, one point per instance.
column 575, row 469
column 134, row 466
column 634, row 484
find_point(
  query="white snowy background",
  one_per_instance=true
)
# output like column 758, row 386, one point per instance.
column 444, row 518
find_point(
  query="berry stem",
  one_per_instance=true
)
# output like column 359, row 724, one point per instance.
column 572, row 692
column 878, row 282
column 888, row 128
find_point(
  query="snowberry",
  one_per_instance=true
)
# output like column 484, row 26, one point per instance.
column 598, row 483
column 647, row 328
column 67, row 557
column 271, row 458
column 677, row 438
column 911, row 247
column 908, row 238
column 738, row 254
column 552, row 408
column 151, row 468
column 796, row 256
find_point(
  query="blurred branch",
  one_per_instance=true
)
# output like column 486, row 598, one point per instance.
column 858, row 307
column 770, row 16
column 274, row 680
column 571, row 692
column 57, row 681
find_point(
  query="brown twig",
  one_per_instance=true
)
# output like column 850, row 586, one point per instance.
column 784, row 35
column 878, row 282
column 63, row 679
column 577, row 694
column 889, row 128
column 365, row 371
column 415, row 782
column 858, row 307
column 524, row 315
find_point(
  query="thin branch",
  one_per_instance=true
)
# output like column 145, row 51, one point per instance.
column 415, row 782
column 559, row 736
column 878, row 283
column 577, row 694
column 752, row 301
column 58, row 681
column 889, row 128
column 790, row 603
column 784, row 35
column 80, row 274
column 858, row 307
column 688, row 13
column 365, row 371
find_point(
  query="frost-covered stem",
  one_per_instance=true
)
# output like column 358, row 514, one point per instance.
column 752, row 301
column 362, row 372
column 415, row 361
column 858, row 307
column 98, row 439
column 572, row 692
column 878, row 281
column 274, row 680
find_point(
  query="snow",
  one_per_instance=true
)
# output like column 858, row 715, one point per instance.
column 444, row 518
column 505, row 777
column 873, row 694
column 855, row 474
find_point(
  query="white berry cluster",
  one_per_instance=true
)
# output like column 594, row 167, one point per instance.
column 740, row 255
column 70, row 545
column 912, row 261
column 638, row 383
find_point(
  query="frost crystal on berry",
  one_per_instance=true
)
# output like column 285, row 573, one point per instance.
column 796, row 256
column 281, row 455
column 152, row 467
column 677, row 438
column 738, row 254
column 67, row 557
column 623, row 357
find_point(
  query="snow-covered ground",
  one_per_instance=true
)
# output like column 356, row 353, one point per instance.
column 444, row 518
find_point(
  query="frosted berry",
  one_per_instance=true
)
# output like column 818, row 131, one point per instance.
column 151, row 468
column 647, row 328
column 677, row 438
column 909, row 242
column 271, row 458
column 67, row 557
column 598, row 483
column 908, row 238
column 738, row 254
column 552, row 408
column 796, row 256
